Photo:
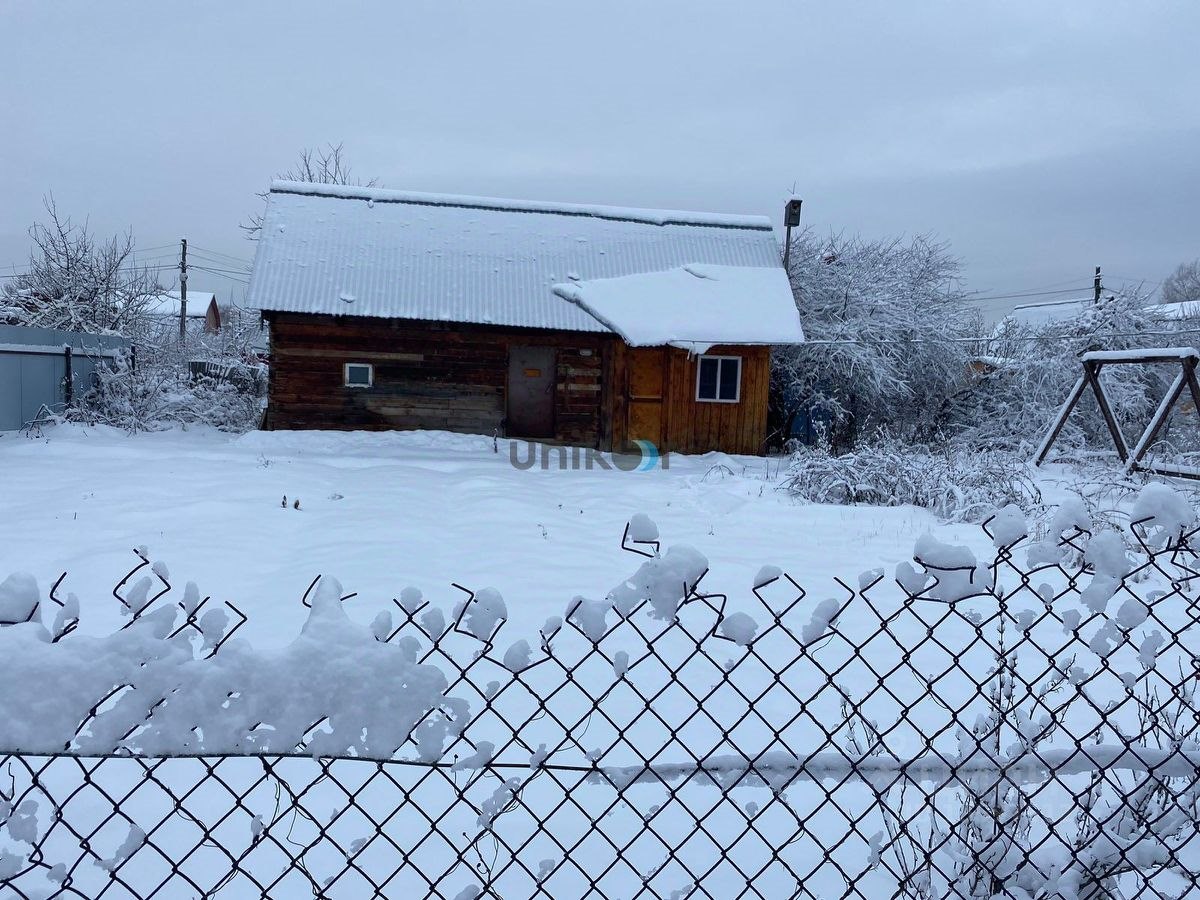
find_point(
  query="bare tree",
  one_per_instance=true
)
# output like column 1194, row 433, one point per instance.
column 1183, row 284
column 324, row 165
column 78, row 283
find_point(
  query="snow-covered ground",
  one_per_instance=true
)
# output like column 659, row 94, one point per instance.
column 382, row 511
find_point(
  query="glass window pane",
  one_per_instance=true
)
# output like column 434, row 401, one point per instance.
column 729, row 378
column 708, row 378
column 358, row 374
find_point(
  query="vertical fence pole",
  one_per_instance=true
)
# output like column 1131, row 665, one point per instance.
column 68, row 378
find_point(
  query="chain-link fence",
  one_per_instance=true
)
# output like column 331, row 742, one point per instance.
column 1023, row 728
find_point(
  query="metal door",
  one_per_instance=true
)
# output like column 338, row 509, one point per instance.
column 531, row 392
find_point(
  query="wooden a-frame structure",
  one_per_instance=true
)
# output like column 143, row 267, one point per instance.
column 1093, row 362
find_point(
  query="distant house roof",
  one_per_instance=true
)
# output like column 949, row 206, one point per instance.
column 168, row 303
column 693, row 306
column 340, row 250
column 1188, row 309
column 1035, row 315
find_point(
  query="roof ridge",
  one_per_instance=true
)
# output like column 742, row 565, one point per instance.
column 614, row 213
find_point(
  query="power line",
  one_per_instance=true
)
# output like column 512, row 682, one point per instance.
column 230, row 256
column 216, row 260
column 1032, row 338
column 973, row 298
column 223, row 271
column 221, row 274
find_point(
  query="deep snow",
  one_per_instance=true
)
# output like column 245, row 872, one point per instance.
column 383, row 511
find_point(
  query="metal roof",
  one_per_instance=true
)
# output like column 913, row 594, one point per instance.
column 337, row 250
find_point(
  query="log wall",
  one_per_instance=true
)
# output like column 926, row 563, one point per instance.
column 449, row 376
column 428, row 375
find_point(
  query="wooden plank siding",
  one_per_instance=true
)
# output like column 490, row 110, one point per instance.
column 428, row 375
column 447, row 376
column 689, row 425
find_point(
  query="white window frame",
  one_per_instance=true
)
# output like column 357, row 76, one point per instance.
column 370, row 367
column 737, row 396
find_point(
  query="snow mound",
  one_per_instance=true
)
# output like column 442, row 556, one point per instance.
column 1164, row 512
column 664, row 581
column 364, row 696
column 18, row 598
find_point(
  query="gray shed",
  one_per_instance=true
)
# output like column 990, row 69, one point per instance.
column 33, row 369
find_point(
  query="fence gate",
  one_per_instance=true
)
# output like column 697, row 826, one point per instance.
column 34, row 367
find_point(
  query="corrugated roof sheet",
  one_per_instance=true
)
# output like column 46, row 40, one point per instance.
column 367, row 252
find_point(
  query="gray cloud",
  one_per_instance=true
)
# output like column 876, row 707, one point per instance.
column 1039, row 139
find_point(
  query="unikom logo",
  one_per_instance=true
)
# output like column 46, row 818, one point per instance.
column 526, row 454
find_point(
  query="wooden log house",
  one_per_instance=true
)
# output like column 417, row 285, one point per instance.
column 591, row 326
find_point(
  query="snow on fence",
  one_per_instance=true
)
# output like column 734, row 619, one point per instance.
column 1023, row 727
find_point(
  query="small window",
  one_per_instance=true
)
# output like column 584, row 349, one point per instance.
column 718, row 379
column 359, row 375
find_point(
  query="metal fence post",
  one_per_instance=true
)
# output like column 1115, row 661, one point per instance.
column 68, row 378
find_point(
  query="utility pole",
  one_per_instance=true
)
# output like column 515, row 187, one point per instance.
column 791, row 218
column 1096, row 287
column 183, row 290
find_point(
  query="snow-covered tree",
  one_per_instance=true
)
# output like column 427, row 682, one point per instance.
column 78, row 282
column 887, row 336
column 1183, row 284
column 1027, row 373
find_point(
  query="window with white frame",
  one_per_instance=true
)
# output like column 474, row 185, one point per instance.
column 359, row 375
column 719, row 379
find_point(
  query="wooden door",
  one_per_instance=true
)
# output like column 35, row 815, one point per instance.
column 530, row 392
column 645, row 395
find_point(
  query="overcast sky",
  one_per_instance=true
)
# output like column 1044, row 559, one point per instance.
column 1038, row 138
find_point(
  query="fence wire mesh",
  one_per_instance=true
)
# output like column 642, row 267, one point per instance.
column 1008, row 729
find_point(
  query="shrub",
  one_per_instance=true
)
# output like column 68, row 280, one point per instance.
column 955, row 483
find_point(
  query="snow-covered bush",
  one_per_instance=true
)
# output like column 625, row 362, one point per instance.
column 209, row 379
column 1027, row 373
column 1044, row 805
column 139, row 395
column 955, row 483
column 887, row 337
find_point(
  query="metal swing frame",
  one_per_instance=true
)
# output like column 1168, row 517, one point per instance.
column 1187, row 357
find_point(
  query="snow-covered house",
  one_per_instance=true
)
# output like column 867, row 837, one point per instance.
column 201, row 306
column 589, row 325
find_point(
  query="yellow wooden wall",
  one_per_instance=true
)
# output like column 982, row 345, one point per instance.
column 685, row 424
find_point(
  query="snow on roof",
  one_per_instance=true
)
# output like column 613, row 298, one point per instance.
column 694, row 304
column 167, row 304
column 498, row 204
column 1034, row 315
column 336, row 250
column 1188, row 309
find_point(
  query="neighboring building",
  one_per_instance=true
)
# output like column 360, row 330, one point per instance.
column 587, row 325
column 1038, row 315
column 36, row 370
column 1186, row 309
column 201, row 305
